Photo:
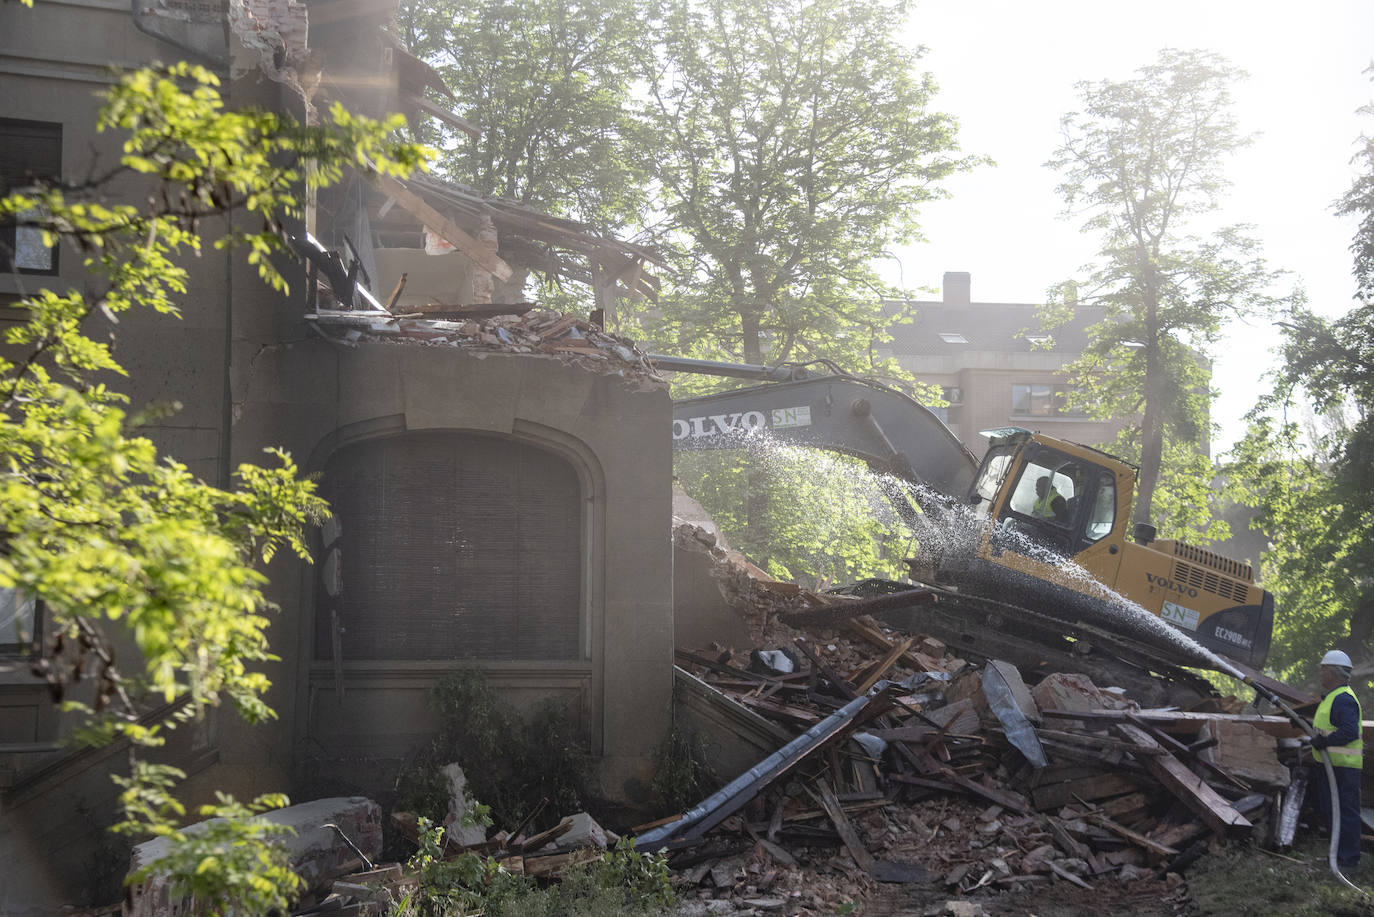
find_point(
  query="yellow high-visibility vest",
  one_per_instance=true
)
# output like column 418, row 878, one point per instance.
column 1042, row 508
column 1351, row 755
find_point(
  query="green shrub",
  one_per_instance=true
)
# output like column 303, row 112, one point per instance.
column 511, row 762
column 623, row 883
column 682, row 771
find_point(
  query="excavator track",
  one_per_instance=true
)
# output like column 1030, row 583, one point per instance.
column 985, row 628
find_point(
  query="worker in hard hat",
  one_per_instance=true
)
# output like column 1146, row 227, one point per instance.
column 1338, row 725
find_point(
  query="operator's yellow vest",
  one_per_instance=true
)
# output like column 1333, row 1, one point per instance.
column 1042, row 509
column 1351, row 755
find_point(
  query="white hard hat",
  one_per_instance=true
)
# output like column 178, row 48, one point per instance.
column 1337, row 658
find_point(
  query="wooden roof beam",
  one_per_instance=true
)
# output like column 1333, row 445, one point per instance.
column 448, row 230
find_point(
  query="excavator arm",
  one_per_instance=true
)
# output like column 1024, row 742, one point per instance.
column 890, row 431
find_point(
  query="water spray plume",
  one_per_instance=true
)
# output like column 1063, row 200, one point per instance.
column 954, row 535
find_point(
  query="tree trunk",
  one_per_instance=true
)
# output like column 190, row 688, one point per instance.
column 749, row 326
column 1152, row 423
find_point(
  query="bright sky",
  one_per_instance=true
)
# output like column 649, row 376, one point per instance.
column 1007, row 69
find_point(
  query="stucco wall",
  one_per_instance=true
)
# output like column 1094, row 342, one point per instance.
column 249, row 373
column 314, row 397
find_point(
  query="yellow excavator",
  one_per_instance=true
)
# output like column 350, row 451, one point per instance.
column 1028, row 548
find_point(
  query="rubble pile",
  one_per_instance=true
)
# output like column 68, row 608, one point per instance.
column 365, row 888
column 901, row 779
column 754, row 595
column 911, row 766
column 516, row 328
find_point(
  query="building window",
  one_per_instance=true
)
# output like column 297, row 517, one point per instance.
column 450, row 546
column 29, row 151
column 953, row 337
column 1041, row 399
column 20, row 620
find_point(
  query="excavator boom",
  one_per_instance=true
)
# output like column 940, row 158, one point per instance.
column 890, row 431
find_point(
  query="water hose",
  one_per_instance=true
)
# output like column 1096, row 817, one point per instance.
column 1325, row 757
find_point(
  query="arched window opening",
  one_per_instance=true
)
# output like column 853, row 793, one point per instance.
column 450, row 546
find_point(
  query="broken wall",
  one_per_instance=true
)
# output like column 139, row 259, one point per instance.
column 592, row 624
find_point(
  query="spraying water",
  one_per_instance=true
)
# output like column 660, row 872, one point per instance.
column 841, row 500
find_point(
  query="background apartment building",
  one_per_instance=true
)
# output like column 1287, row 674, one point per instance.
column 995, row 363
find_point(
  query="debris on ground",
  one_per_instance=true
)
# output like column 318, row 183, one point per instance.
column 887, row 775
column 909, row 765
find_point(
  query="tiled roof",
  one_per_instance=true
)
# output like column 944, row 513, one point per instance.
column 986, row 326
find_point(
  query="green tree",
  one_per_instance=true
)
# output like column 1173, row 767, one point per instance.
column 1359, row 203
column 794, row 142
column 548, row 84
column 815, row 518
column 1142, row 159
column 125, row 547
column 1317, row 562
column 1313, row 489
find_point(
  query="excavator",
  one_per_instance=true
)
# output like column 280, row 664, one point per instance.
column 1026, row 550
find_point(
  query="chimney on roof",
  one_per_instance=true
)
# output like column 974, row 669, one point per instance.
column 957, row 286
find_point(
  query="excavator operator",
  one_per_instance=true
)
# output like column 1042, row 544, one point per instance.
column 1049, row 504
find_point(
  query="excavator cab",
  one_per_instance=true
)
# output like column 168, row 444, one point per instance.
column 1043, row 496
column 1051, row 501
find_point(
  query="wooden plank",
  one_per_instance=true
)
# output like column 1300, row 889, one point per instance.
column 1085, row 738
column 845, row 610
column 916, row 660
column 446, row 228
column 850, row 808
column 1183, row 721
column 1127, row 834
column 560, row 862
column 785, row 712
column 706, row 662
column 837, row 681
column 1178, row 835
column 883, row 665
column 1189, row 788
column 905, row 733
column 1065, row 841
column 1170, row 744
column 544, row 837
column 825, row 795
column 443, row 114
column 1063, row 873
column 628, row 272
column 1122, row 805
column 947, row 779
column 1058, row 795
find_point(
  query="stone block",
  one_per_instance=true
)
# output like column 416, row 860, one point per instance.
column 317, row 853
column 458, row 804
column 584, row 832
column 1245, row 752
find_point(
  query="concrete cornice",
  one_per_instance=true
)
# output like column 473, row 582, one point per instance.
column 56, row 68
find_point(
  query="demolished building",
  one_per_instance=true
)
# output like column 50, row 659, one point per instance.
column 500, row 475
